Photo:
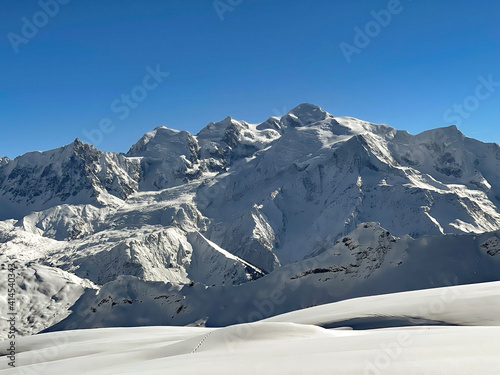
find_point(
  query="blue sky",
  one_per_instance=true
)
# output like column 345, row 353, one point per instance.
column 433, row 63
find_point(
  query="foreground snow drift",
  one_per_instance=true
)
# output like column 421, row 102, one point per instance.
column 476, row 304
column 277, row 348
column 282, row 346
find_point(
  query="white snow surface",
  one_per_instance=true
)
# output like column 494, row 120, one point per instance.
column 292, row 343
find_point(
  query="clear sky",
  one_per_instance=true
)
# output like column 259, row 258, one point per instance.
column 414, row 65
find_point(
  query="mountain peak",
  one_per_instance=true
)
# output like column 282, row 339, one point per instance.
column 159, row 141
column 452, row 129
column 4, row 160
column 308, row 113
column 76, row 144
column 162, row 129
column 305, row 108
column 78, row 147
column 215, row 130
column 445, row 132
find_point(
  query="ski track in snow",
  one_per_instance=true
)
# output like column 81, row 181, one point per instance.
column 201, row 342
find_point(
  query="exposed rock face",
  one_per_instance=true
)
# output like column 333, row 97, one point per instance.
column 74, row 174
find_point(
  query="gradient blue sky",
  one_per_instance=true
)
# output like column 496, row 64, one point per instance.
column 262, row 59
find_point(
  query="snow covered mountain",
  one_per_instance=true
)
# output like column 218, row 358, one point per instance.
column 190, row 224
column 73, row 174
column 368, row 261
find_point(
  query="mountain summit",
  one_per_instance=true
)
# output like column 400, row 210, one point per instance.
column 239, row 201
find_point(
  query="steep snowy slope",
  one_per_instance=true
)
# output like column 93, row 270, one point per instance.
column 44, row 296
column 317, row 182
column 168, row 158
column 176, row 252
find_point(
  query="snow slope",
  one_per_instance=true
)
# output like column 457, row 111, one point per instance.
column 44, row 296
column 285, row 347
column 464, row 305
